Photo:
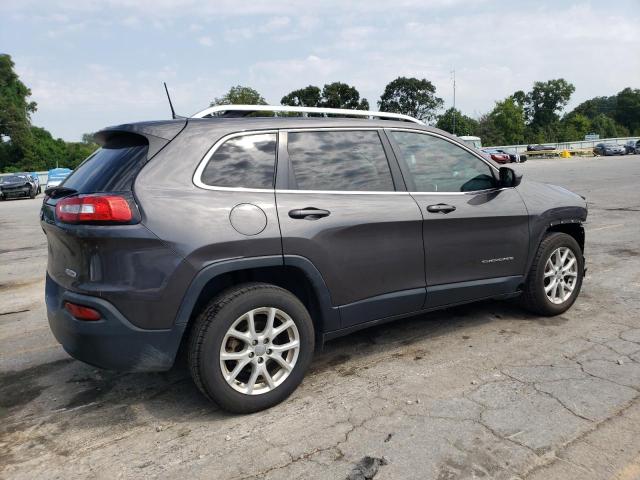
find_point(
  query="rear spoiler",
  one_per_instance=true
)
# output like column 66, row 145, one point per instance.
column 158, row 133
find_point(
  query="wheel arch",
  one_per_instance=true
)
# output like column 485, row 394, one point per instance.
column 295, row 274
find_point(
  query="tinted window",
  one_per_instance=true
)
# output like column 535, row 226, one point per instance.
column 111, row 168
column 436, row 165
column 339, row 160
column 247, row 161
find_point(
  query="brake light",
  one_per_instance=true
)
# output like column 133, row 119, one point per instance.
column 94, row 208
column 81, row 312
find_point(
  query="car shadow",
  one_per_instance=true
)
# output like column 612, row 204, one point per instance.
column 96, row 398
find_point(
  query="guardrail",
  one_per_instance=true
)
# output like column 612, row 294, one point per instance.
column 578, row 145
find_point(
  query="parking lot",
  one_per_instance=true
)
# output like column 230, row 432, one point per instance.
column 481, row 391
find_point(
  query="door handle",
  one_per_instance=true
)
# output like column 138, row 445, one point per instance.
column 440, row 208
column 309, row 213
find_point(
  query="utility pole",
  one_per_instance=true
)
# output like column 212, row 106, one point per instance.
column 454, row 101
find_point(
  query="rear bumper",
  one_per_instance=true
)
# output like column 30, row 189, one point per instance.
column 112, row 342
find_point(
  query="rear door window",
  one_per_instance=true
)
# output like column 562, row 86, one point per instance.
column 247, row 161
column 339, row 161
column 111, row 168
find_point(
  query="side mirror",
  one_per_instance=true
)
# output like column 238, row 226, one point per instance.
column 509, row 178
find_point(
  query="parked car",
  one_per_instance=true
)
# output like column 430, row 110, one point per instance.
column 632, row 146
column 502, row 156
column 16, row 186
column 472, row 141
column 540, row 148
column 496, row 155
column 56, row 176
column 33, row 176
column 606, row 149
column 184, row 235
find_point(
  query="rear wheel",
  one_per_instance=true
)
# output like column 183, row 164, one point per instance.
column 555, row 277
column 251, row 347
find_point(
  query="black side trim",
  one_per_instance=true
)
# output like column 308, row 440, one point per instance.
column 452, row 293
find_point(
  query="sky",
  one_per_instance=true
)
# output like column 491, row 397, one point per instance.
column 94, row 63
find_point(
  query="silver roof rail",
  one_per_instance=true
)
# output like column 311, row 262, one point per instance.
column 244, row 110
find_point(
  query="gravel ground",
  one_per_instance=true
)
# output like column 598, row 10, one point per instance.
column 485, row 390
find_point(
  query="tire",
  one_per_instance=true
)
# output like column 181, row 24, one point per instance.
column 32, row 193
column 211, row 333
column 534, row 296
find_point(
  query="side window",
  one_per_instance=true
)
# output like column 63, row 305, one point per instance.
column 436, row 165
column 339, row 160
column 247, row 161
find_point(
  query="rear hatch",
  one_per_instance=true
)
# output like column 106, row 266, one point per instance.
column 97, row 240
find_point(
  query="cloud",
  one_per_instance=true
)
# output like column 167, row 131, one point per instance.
column 206, row 41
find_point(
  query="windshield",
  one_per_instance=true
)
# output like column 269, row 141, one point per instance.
column 13, row 179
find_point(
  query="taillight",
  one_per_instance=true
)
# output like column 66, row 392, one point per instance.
column 94, row 208
column 81, row 312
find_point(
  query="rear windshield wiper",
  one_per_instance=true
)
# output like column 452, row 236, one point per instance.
column 59, row 191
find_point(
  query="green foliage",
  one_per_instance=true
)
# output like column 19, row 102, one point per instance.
column 463, row 125
column 595, row 106
column 240, row 95
column 411, row 96
column 341, row 95
column 304, row 97
column 508, row 119
column 607, row 127
column 333, row 95
column 575, row 127
column 627, row 112
column 544, row 102
column 15, row 109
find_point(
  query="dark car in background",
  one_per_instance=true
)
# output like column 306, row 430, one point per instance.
column 606, row 149
column 632, row 146
column 540, row 148
column 19, row 185
column 244, row 242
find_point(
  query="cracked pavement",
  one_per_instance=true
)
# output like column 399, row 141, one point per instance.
column 484, row 390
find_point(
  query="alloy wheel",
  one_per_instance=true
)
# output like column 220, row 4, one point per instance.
column 560, row 275
column 259, row 350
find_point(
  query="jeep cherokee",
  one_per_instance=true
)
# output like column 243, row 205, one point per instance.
column 246, row 241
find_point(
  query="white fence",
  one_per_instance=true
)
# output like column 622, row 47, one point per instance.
column 577, row 145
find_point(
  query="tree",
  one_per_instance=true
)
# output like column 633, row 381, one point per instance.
column 544, row 102
column 15, row 108
column 488, row 131
column 304, row 97
column 411, row 96
column 341, row 95
column 508, row 118
column 627, row 112
column 595, row 106
column 574, row 127
column 240, row 95
column 607, row 127
column 464, row 125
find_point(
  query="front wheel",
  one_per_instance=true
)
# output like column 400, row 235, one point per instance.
column 555, row 277
column 251, row 347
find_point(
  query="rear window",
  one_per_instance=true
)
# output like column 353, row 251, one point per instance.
column 246, row 161
column 111, row 168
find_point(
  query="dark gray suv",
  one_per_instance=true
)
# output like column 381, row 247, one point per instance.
column 245, row 242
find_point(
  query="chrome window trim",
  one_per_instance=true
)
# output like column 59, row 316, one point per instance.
column 197, row 175
column 197, row 180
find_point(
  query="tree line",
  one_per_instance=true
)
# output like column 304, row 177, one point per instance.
column 535, row 116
